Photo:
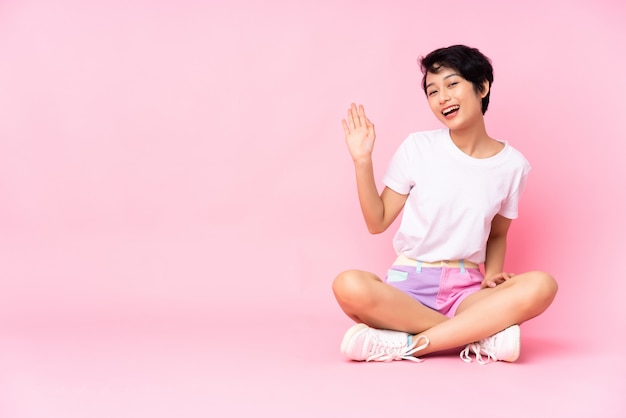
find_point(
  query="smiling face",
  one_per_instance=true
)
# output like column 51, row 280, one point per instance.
column 454, row 100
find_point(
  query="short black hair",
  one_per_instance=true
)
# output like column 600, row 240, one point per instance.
column 470, row 63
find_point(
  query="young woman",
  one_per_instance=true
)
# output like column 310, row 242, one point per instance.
column 458, row 189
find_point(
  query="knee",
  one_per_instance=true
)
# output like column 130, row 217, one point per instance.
column 543, row 287
column 350, row 286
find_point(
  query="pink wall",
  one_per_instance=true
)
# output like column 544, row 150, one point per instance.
column 174, row 155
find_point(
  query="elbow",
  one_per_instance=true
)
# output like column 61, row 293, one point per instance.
column 377, row 225
column 376, row 229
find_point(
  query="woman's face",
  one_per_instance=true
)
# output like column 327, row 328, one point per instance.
column 453, row 99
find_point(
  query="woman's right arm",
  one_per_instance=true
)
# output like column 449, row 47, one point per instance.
column 379, row 211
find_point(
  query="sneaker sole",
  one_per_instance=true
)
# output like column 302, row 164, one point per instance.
column 347, row 338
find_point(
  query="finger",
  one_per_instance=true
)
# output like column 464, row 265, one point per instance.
column 370, row 128
column 346, row 128
column 354, row 114
column 362, row 117
column 350, row 119
column 487, row 283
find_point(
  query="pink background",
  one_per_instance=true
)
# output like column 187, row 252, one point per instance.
column 176, row 198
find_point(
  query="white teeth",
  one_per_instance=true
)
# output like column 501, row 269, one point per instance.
column 449, row 110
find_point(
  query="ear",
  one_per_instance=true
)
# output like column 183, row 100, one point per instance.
column 485, row 87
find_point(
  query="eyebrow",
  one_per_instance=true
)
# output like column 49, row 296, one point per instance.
column 448, row 76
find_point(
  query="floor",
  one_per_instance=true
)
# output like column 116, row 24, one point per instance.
column 280, row 361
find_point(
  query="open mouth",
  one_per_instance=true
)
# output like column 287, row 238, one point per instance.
column 450, row 110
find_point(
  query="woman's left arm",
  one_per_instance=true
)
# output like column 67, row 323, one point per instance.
column 496, row 250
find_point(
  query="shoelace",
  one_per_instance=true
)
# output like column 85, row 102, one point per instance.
column 485, row 346
column 385, row 351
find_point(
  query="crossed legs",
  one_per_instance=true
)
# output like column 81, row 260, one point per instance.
column 366, row 299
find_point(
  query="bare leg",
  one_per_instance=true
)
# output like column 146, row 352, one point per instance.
column 365, row 298
column 489, row 311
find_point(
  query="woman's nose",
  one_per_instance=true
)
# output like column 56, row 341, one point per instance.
column 443, row 96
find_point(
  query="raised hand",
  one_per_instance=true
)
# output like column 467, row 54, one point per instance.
column 359, row 133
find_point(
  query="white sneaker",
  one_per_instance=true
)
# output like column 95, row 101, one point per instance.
column 362, row 343
column 503, row 346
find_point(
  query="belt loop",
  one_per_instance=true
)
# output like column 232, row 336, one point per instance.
column 462, row 265
column 418, row 266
